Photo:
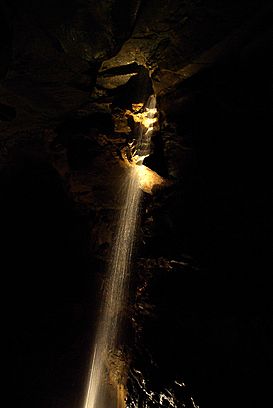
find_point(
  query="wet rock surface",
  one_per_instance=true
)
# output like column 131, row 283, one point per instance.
column 199, row 323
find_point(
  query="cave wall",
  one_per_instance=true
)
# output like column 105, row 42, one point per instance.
column 202, row 270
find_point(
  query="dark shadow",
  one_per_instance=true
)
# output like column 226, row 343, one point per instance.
column 48, row 283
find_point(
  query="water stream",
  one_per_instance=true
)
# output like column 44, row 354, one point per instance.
column 102, row 391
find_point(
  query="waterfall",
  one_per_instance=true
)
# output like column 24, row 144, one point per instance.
column 101, row 392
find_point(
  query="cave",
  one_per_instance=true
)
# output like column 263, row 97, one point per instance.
column 75, row 80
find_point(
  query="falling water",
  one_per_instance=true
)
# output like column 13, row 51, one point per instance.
column 99, row 393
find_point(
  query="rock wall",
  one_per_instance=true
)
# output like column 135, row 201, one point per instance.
column 200, row 311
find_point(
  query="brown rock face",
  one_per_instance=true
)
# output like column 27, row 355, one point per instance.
column 199, row 315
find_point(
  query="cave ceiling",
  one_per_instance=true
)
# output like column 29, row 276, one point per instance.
column 53, row 55
column 63, row 64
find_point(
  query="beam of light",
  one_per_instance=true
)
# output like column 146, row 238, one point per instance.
column 115, row 295
column 99, row 393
